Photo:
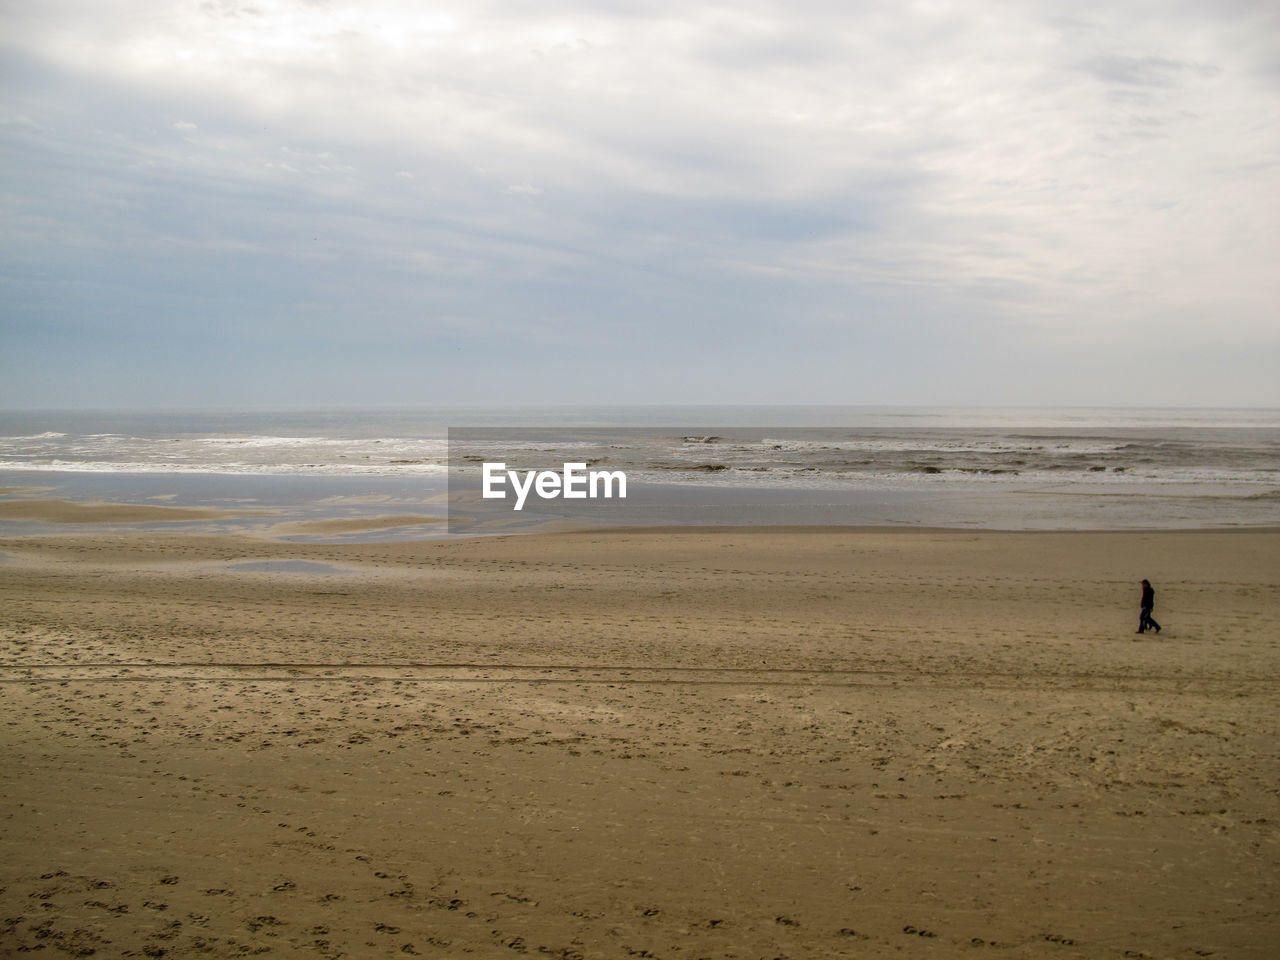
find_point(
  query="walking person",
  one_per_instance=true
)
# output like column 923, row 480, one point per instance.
column 1145, row 621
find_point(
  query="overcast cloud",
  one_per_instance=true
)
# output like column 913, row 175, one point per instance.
column 810, row 202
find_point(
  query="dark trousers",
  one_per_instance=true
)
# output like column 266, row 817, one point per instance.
column 1145, row 622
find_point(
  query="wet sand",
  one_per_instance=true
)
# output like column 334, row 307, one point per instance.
column 662, row 744
column 63, row 511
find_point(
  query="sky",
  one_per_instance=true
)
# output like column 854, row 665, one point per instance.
column 324, row 203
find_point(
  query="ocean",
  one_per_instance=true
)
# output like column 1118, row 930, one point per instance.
column 991, row 468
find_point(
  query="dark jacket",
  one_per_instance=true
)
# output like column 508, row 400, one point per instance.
column 1148, row 597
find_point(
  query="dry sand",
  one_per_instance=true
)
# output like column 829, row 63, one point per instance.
column 353, row 524
column 688, row 744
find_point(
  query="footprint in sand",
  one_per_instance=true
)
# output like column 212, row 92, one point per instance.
column 918, row 932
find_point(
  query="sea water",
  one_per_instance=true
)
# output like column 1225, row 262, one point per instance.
column 990, row 467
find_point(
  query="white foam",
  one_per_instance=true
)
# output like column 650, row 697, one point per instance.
column 227, row 469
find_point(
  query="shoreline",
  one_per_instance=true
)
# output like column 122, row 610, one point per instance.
column 358, row 508
column 131, row 518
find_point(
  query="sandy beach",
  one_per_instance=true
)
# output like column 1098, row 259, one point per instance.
column 663, row 744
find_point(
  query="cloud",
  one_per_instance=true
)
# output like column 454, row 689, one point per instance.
column 997, row 172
